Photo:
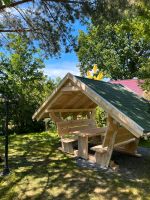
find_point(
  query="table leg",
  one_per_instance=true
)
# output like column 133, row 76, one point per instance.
column 83, row 147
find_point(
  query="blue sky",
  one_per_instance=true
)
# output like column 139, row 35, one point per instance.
column 67, row 63
column 60, row 67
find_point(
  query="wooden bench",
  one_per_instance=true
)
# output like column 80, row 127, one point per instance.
column 117, row 138
column 76, row 128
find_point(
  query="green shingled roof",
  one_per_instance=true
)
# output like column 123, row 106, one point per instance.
column 130, row 104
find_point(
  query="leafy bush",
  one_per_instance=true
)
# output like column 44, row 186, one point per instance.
column 100, row 117
column 49, row 125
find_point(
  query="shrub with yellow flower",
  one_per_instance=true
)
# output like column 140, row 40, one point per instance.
column 93, row 74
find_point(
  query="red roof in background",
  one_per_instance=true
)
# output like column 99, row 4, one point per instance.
column 131, row 84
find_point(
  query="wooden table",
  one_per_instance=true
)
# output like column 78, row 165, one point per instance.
column 83, row 139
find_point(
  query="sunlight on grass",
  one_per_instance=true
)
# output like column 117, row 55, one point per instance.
column 40, row 171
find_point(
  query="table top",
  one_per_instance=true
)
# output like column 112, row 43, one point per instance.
column 90, row 132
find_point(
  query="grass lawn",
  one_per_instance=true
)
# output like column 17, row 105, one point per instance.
column 145, row 143
column 40, row 171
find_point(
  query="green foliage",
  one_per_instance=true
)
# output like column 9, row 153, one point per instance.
column 100, row 117
column 5, row 2
column 49, row 125
column 121, row 49
column 145, row 143
column 25, row 84
column 116, row 53
column 48, row 24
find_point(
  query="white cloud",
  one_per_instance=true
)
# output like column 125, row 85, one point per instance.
column 61, row 69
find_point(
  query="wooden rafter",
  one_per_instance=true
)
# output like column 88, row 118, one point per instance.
column 70, row 89
column 71, row 110
column 125, row 142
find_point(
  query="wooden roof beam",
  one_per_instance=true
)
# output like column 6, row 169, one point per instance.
column 125, row 142
column 70, row 89
column 71, row 110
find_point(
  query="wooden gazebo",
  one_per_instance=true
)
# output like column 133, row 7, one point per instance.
column 72, row 107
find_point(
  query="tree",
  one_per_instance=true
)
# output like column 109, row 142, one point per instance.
column 5, row 2
column 47, row 23
column 120, row 50
column 50, row 22
column 118, row 55
column 26, row 84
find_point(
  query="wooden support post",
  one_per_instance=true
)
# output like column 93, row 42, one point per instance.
column 83, row 147
column 110, row 149
column 100, row 158
column 67, row 147
column 54, row 117
column 125, row 142
column 103, row 157
column 93, row 114
column 131, row 148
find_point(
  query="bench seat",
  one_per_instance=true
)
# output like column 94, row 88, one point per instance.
column 99, row 149
column 69, row 140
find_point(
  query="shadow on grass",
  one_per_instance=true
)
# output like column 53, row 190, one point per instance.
column 40, row 171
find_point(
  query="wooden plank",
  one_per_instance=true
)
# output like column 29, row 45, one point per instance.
column 59, row 102
column 54, row 117
column 72, row 101
column 96, row 139
column 111, row 127
column 99, row 148
column 109, row 140
column 123, row 134
column 125, row 142
column 71, row 130
column 93, row 113
column 68, row 140
column 83, row 101
column 67, row 147
column 72, row 126
column 39, row 113
column 71, row 110
column 130, row 148
column 106, row 160
column 83, row 147
column 70, row 89
column 72, row 123
column 52, row 101
column 90, row 132
column 89, row 104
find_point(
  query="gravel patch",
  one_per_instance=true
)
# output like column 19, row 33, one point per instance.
column 130, row 167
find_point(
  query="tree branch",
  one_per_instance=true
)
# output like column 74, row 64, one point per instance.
column 26, row 1
column 17, row 30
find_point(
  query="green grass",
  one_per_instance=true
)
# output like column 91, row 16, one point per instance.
column 40, row 171
column 145, row 143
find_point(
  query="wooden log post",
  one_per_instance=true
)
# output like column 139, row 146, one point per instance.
column 83, row 147
column 126, row 142
column 103, row 157
column 131, row 148
column 67, row 147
